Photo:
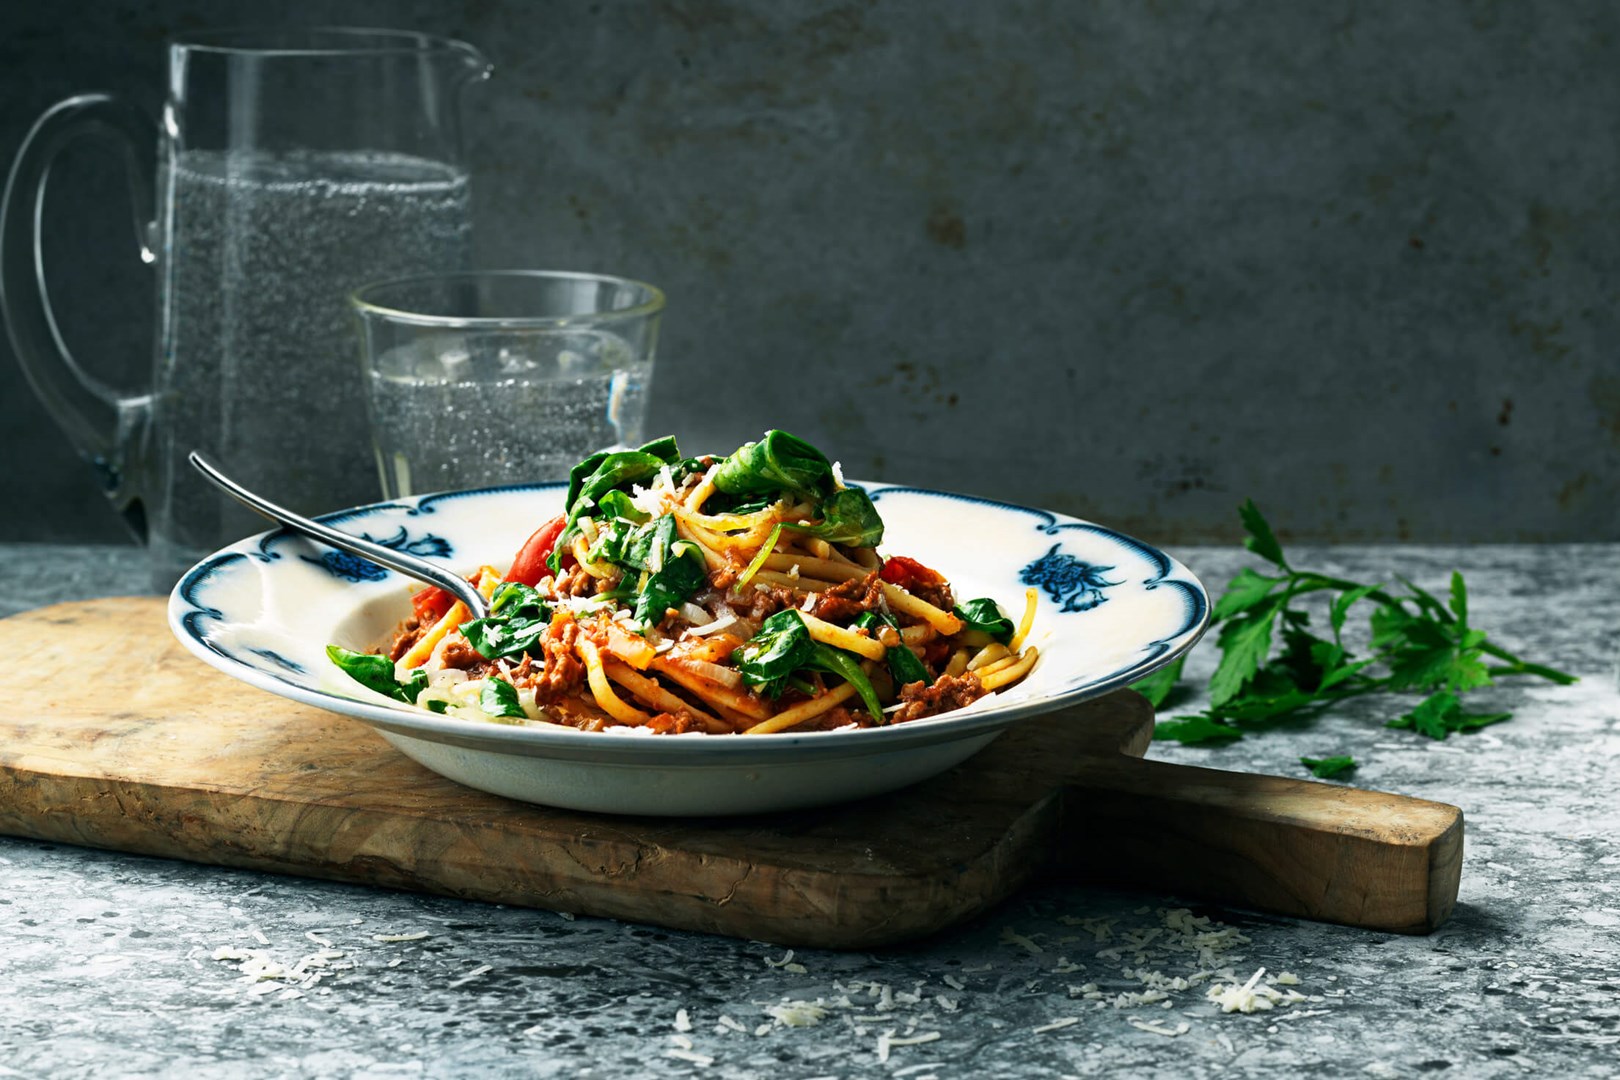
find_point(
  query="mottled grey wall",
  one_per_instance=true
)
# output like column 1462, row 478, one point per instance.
column 1359, row 261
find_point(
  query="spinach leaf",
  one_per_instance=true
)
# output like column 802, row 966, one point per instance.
column 768, row 658
column 377, row 673
column 847, row 667
column 903, row 663
column 614, row 540
column 985, row 616
column 847, row 518
column 617, row 504
column 602, row 472
column 499, row 698
column 518, row 616
column 513, row 596
column 683, row 572
column 784, row 646
column 662, row 449
column 778, row 462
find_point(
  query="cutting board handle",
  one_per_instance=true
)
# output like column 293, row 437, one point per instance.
column 1295, row 847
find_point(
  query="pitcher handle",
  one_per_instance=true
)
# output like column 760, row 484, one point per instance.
column 103, row 426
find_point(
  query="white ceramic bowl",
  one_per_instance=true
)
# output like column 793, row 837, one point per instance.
column 1112, row 610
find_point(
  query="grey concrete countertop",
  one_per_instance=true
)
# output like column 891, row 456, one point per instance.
column 117, row 965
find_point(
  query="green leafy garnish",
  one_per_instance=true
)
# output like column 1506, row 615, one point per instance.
column 985, row 616
column 781, row 463
column 767, row 659
column 848, row 517
column 778, row 462
column 377, row 673
column 1197, row 728
column 904, row 666
column 518, row 615
column 1274, row 668
column 603, row 472
column 1329, row 767
column 1441, row 713
column 1158, row 686
column 681, row 573
column 499, row 698
column 771, row 658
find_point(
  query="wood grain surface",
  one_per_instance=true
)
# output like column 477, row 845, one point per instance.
column 112, row 736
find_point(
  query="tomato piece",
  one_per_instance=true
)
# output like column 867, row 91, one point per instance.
column 529, row 566
column 904, row 572
column 430, row 604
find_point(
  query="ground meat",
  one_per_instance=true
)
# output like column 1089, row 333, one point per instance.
column 724, row 577
column 836, row 717
column 576, row 582
column 759, row 604
column 457, row 653
column 948, row 692
column 844, row 601
column 675, row 723
column 937, row 594
column 410, row 631
column 561, row 671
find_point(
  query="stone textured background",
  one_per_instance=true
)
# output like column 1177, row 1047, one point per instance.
column 1137, row 262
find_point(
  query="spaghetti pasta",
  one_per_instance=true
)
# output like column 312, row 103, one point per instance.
column 737, row 595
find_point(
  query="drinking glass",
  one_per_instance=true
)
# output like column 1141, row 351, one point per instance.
column 501, row 377
column 292, row 166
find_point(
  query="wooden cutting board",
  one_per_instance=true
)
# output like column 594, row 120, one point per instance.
column 112, row 736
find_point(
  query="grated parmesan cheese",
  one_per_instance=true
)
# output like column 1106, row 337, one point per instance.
column 798, row 1013
column 700, row 1060
column 1009, row 936
column 1154, row 1027
column 1067, row 1021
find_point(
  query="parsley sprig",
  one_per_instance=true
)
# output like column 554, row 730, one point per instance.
column 1275, row 668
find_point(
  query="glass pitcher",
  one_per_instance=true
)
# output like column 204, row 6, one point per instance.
column 292, row 167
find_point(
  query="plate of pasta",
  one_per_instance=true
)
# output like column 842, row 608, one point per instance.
column 717, row 634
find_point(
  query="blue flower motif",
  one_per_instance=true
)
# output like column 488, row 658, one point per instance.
column 353, row 568
column 1077, row 585
column 349, row 567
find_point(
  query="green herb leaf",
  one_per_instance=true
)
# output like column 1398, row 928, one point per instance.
column 602, row 472
column 986, row 616
column 1195, row 729
column 1243, row 592
column 769, row 659
column 1273, row 669
column 1344, row 602
column 781, row 647
column 617, row 505
column 1158, row 686
column 684, row 573
column 1329, row 767
column 778, row 462
column 518, row 615
column 1261, row 540
column 848, row 517
column 377, row 673
column 1245, row 643
column 846, row 666
column 499, row 698
column 904, row 666
column 1441, row 713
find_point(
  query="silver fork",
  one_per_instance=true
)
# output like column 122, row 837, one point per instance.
column 409, row 565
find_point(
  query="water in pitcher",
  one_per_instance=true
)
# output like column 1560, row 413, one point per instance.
column 503, row 409
column 259, row 360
